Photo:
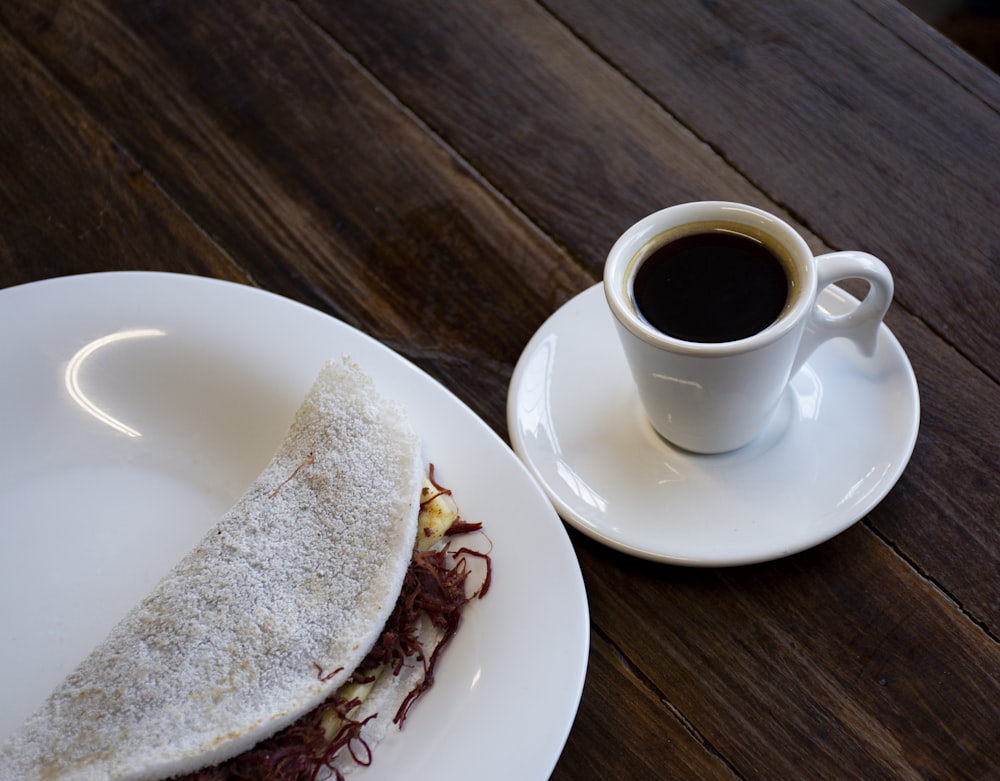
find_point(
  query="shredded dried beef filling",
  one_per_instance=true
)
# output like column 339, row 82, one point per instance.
column 434, row 589
column 297, row 753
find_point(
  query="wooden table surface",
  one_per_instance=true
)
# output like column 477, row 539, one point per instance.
column 467, row 166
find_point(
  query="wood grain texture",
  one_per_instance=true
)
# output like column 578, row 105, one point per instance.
column 73, row 200
column 297, row 167
column 811, row 650
column 870, row 141
column 943, row 516
column 940, row 52
column 660, row 743
column 448, row 65
column 577, row 146
column 443, row 175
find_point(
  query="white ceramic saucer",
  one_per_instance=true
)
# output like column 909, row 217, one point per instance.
column 838, row 442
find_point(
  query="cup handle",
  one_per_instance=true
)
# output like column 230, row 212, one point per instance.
column 861, row 324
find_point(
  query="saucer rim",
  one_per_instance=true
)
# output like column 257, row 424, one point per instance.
column 905, row 448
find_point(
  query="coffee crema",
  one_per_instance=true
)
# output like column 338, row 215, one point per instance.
column 715, row 283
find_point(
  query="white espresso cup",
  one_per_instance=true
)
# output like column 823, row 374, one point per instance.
column 711, row 371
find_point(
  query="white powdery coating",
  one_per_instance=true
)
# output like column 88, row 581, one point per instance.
column 228, row 648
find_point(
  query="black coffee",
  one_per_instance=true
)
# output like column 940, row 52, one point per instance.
column 714, row 286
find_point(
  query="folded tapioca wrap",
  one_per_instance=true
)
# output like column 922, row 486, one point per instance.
column 264, row 619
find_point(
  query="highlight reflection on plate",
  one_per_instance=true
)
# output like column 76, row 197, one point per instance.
column 136, row 407
column 840, row 439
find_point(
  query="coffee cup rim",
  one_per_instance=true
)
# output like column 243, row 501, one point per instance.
column 639, row 235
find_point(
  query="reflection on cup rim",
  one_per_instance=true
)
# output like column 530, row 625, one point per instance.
column 620, row 268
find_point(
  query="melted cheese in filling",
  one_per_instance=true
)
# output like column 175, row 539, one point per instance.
column 438, row 511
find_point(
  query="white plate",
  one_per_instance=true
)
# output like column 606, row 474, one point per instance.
column 839, row 441
column 208, row 374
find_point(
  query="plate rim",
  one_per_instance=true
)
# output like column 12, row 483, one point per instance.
column 573, row 669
